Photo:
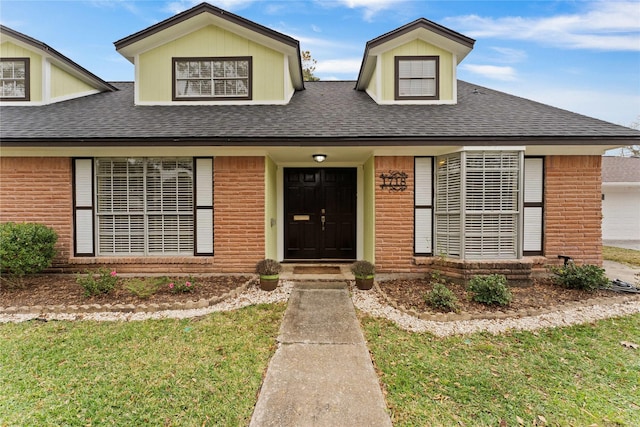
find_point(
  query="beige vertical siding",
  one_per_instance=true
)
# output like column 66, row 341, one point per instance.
column 154, row 77
column 64, row 84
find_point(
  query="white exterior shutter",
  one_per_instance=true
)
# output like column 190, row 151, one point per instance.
column 423, row 209
column 204, row 206
column 83, row 207
column 533, row 205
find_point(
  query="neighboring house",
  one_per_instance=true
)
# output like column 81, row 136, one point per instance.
column 621, row 199
column 207, row 162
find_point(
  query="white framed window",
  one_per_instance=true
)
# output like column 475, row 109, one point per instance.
column 144, row 206
column 212, row 78
column 14, row 79
column 478, row 204
column 417, row 77
column 533, row 208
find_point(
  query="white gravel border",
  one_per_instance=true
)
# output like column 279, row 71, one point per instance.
column 369, row 302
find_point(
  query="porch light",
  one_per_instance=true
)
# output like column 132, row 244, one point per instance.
column 319, row 157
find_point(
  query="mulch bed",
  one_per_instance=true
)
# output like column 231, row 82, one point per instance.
column 58, row 289
column 410, row 293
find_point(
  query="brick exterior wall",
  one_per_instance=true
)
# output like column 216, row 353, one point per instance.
column 35, row 189
column 239, row 218
column 394, row 218
column 40, row 190
column 573, row 208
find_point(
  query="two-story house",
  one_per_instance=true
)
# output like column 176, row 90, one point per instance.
column 219, row 155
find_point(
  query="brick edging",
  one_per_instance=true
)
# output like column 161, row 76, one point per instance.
column 127, row 308
column 506, row 313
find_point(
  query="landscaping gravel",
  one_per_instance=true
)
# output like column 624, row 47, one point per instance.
column 373, row 304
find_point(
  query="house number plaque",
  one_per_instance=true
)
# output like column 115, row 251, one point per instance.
column 394, row 181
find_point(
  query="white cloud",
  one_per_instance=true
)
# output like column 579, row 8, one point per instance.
column 370, row 7
column 179, row 6
column 607, row 25
column 339, row 66
column 509, row 55
column 491, row 71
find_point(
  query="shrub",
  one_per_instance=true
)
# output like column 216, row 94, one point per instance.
column 96, row 283
column 26, row 248
column 491, row 289
column 268, row 267
column 141, row 288
column 182, row 287
column 442, row 298
column 586, row 277
column 363, row 269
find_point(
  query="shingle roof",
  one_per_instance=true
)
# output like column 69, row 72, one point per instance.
column 326, row 112
column 621, row 169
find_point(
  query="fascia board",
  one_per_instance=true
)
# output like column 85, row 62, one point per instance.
column 426, row 36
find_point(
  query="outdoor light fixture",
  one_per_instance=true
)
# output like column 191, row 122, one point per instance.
column 319, row 157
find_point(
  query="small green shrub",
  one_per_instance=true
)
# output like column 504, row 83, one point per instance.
column 141, row 288
column 490, row 289
column 26, row 248
column 363, row 269
column 268, row 267
column 96, row 283
column 178, row 287
column 586, row 277
column 442, row 298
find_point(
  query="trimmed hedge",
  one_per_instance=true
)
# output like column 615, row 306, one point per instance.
column 26, row 248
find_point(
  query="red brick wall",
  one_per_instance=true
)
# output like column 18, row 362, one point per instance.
column 239, row 218
column 573, row 208
column 40, row 190
column 35, row 189
column 394, row 218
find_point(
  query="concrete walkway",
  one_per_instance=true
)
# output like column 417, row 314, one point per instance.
column 321, row 373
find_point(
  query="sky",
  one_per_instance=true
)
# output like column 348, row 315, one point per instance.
column 582, row 56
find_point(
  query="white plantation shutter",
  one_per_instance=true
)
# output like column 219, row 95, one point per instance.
column 423, row 210
column 492, row 200
column 533, row 205
column 83, row 207
column 448, row 205
column 478, row 204
column 204, row 206
column 416, row 77
column 145, row 206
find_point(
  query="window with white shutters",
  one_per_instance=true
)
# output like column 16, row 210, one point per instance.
column 416, row 77
column 477, row 210
column 145, row 206
column 423, row 209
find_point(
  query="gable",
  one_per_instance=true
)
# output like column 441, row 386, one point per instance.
column 206, row 35
column 50, row 76
column 154, row 67
column 414, row 64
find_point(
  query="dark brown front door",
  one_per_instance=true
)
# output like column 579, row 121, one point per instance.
column 320, row 212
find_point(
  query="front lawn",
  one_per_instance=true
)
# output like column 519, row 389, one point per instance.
column 575, row 376
column 194, row 372
column 625, row 256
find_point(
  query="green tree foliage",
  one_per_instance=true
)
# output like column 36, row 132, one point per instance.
column 308, row 67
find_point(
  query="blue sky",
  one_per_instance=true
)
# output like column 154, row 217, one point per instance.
column 583, row 56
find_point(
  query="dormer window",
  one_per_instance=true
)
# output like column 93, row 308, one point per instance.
column 14, row 79
column 417, row 77
column 211, row 78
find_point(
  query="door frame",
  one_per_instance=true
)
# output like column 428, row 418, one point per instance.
column 359, row 202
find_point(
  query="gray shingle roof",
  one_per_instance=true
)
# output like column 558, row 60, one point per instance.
column 326, row 112
column 621, row 169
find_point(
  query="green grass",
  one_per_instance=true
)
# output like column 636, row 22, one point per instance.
column 194, row 372
column 625, row 256
column 575, row 376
